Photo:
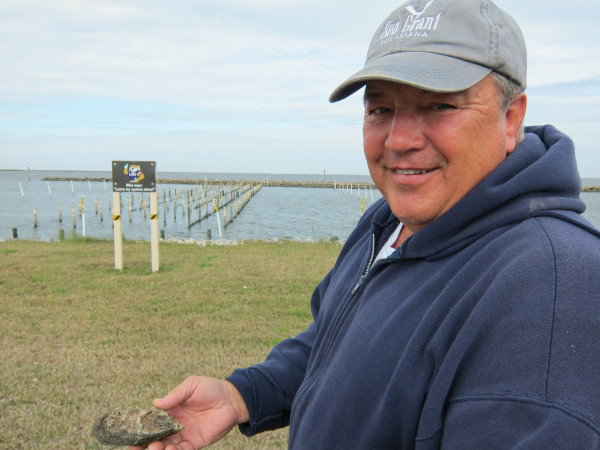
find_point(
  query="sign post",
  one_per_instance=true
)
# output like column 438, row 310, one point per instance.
column 154, row 230
column 135, row 176
column 116, row 213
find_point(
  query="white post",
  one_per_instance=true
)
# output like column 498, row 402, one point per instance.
column 116, row 213
column 154, row 230
column 217, row 214
column 21, row 187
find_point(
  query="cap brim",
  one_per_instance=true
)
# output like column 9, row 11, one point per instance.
column 429, row 71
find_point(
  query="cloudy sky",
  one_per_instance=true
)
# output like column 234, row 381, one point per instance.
column 237, row 85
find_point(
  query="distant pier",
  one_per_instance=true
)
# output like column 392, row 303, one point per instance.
column 273, row 183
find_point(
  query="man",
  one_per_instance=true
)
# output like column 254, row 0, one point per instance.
column 462, row 311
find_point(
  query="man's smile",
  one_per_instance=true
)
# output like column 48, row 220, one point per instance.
column 411, row 171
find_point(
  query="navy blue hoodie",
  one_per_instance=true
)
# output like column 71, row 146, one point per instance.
column 481, row 331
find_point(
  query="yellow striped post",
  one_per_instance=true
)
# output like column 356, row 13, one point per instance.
column 154, row 230
column 118, row 234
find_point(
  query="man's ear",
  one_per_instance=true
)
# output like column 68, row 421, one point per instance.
column 514, row 119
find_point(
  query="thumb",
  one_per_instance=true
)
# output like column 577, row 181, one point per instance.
column 178, row 395
column 161, row 403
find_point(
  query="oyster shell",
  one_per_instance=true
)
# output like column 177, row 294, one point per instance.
column 134, row 426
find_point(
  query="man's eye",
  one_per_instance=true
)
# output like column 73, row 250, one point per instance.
column 442, row 106
column 378, row 111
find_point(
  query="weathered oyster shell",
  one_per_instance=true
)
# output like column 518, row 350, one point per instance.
column 134, row 426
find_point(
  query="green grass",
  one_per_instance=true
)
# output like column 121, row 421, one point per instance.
column 79, row 338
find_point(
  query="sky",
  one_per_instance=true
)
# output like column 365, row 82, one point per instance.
column 240, row 87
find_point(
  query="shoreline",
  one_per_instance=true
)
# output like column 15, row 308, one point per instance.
column 271, row 183
column 190, row 181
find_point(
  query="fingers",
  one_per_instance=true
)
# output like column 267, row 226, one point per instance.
column 177, row 445
column 158, row 445
column 153, row 446
column 183, row 446
column 161, row 446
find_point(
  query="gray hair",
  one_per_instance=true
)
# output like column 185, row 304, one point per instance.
column 508, row 90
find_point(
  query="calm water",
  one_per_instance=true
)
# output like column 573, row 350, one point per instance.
column 274, row 213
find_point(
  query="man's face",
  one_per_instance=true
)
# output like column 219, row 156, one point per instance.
column 426, row 150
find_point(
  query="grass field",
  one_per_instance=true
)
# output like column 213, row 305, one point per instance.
column 79, row 338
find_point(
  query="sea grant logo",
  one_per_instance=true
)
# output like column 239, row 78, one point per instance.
column 415, row 24
column 134, row 172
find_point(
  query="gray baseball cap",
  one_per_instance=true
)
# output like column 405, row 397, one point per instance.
column 442, row 46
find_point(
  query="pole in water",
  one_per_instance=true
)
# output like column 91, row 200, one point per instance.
column 217, row 214
column 49, row 190
column 72, row 189
column 21, row 187
column 14, row 232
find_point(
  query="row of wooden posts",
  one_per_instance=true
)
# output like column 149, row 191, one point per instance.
column 196, row 203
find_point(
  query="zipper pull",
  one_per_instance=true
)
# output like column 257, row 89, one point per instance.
column 358, row 284
column 368, row 264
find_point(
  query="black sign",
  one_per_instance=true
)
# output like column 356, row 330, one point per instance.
column 134, row 176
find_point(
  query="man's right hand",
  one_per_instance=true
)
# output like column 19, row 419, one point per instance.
column 208, row 408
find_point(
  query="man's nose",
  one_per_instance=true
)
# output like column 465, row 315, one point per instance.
column 406, row 132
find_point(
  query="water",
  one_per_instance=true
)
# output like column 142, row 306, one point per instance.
column 274, row 213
